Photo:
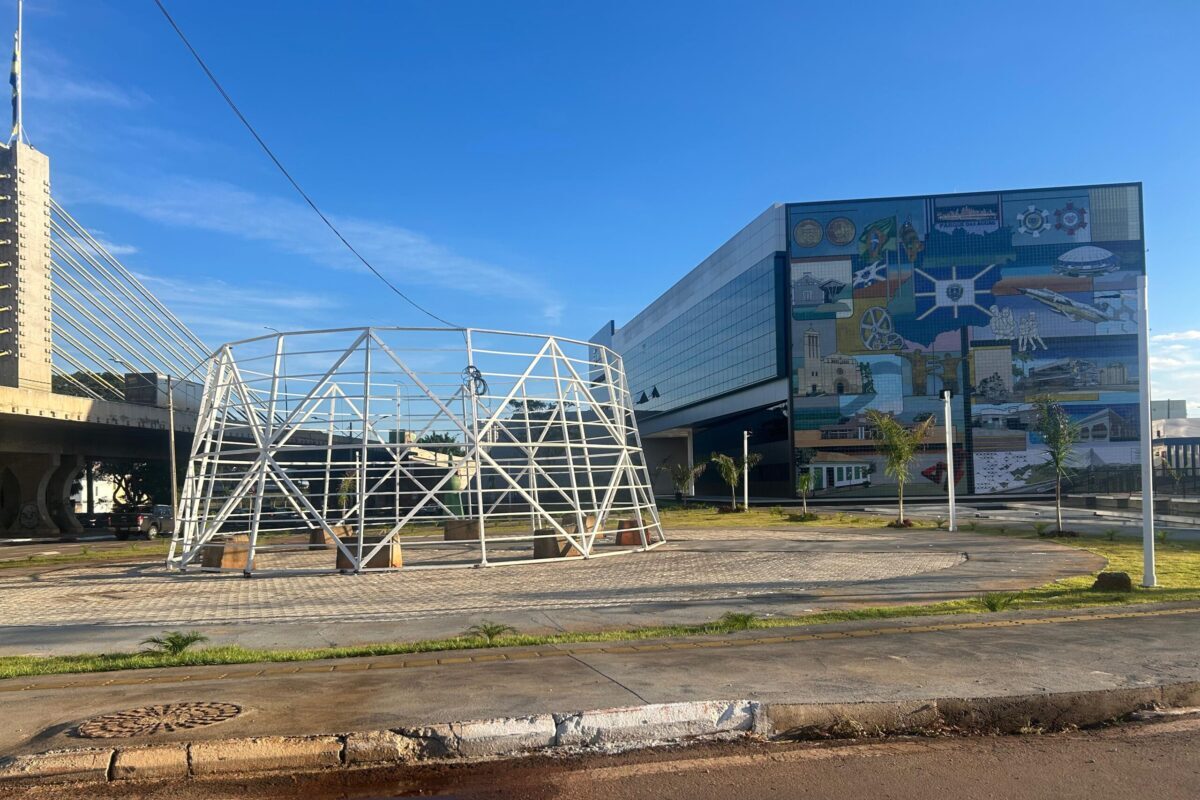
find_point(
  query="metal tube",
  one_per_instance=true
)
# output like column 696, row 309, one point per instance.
column 1149, row 578
column 946, row 394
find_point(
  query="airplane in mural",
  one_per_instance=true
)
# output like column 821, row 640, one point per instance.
column 1074, row 309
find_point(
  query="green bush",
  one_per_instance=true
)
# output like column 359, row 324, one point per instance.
column 998, row 601
column 173, row 643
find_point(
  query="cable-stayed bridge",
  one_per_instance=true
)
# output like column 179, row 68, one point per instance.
column 85, row 352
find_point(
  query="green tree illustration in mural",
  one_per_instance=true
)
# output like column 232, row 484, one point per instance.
column 1060, row 436
column 868, row 380
column 899, row 447
column 731, row 470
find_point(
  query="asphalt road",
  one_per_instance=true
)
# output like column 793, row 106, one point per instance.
column 1159, row 760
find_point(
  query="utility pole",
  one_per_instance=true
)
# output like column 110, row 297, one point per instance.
column 949, row 424
column 746, row 470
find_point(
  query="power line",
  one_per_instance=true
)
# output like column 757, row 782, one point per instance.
column 287, row 174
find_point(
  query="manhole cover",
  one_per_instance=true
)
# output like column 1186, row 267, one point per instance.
column 149, row 720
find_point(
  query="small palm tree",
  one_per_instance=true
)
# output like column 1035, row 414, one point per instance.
column 682, row 478
column 489, row 631
column 899, row 446
column 173, row 643
column 1060, row 436
column 804, row 482
column 732, row 469
column 346, row 487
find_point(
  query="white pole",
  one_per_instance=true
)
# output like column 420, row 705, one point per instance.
column 171, row 448
column 18, row 122
column 1149, row 579
column 746, row 470
column 946, row 394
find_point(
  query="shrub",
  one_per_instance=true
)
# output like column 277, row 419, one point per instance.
column 733, row 621
column 1161, row 535
column 940, row 522
column 489, row 631
column 998, row 601
column 1111, row 534
column 173, row 643
column 1040, row 528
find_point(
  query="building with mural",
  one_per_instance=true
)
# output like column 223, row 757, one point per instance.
column 817, row 312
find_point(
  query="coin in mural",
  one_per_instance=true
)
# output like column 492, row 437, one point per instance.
column 807, row 233
column 840, row 231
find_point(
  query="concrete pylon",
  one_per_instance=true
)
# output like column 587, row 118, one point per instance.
column 35, row 495
column 25, row 344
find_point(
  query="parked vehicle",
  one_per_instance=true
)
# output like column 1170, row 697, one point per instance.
column 148, row 520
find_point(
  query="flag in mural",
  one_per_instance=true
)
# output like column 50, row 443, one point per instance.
column 878, row 239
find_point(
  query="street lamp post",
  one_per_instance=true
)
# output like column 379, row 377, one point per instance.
column 1149, row 578
column 949, row 424
column 746, row 470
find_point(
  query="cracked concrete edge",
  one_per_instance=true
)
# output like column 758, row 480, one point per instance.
column 610, row 729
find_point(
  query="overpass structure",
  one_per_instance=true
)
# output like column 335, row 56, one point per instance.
column 85, row 349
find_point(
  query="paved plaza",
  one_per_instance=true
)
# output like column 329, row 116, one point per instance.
column 695, row 577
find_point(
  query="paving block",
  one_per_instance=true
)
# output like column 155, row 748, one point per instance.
column 151, row 763
column 57, row 766
column 265, row 754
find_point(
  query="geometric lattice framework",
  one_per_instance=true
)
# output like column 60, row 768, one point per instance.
column 360, row 449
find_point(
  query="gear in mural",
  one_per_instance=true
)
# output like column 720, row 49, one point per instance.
column 878, row 331
column 1033, row 220
column 1070, row 219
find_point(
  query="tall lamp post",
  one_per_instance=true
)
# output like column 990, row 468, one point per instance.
column 1149, row 579
column 946, row 395
column 746, row 470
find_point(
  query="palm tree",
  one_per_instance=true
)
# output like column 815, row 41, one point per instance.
column 804, row 482
column 1060, row 435
column 732, row 469
column 899, row 446
column 682, row 478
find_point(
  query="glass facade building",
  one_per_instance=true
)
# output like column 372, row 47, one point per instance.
column 726, row 341
column 843, row 307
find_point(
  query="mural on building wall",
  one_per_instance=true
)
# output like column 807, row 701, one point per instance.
column 1000, row 297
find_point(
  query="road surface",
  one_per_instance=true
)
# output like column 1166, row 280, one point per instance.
column 1159, row 760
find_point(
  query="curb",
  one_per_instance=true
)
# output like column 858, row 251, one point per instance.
column 605, row 730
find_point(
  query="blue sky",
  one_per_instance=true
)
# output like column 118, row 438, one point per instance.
column 550, row 166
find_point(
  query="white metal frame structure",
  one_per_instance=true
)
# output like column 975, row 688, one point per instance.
column 360, row 440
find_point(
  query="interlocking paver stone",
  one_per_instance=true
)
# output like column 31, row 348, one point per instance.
column 692, row 566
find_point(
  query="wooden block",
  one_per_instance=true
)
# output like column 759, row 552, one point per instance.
column 628, row 533
column 230, row 552
column 461, row 530
column 388, row 557
column 549, row 543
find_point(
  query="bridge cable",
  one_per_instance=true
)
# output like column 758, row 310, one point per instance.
column 288, row 175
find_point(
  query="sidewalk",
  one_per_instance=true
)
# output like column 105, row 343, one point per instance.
column 995, row 655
